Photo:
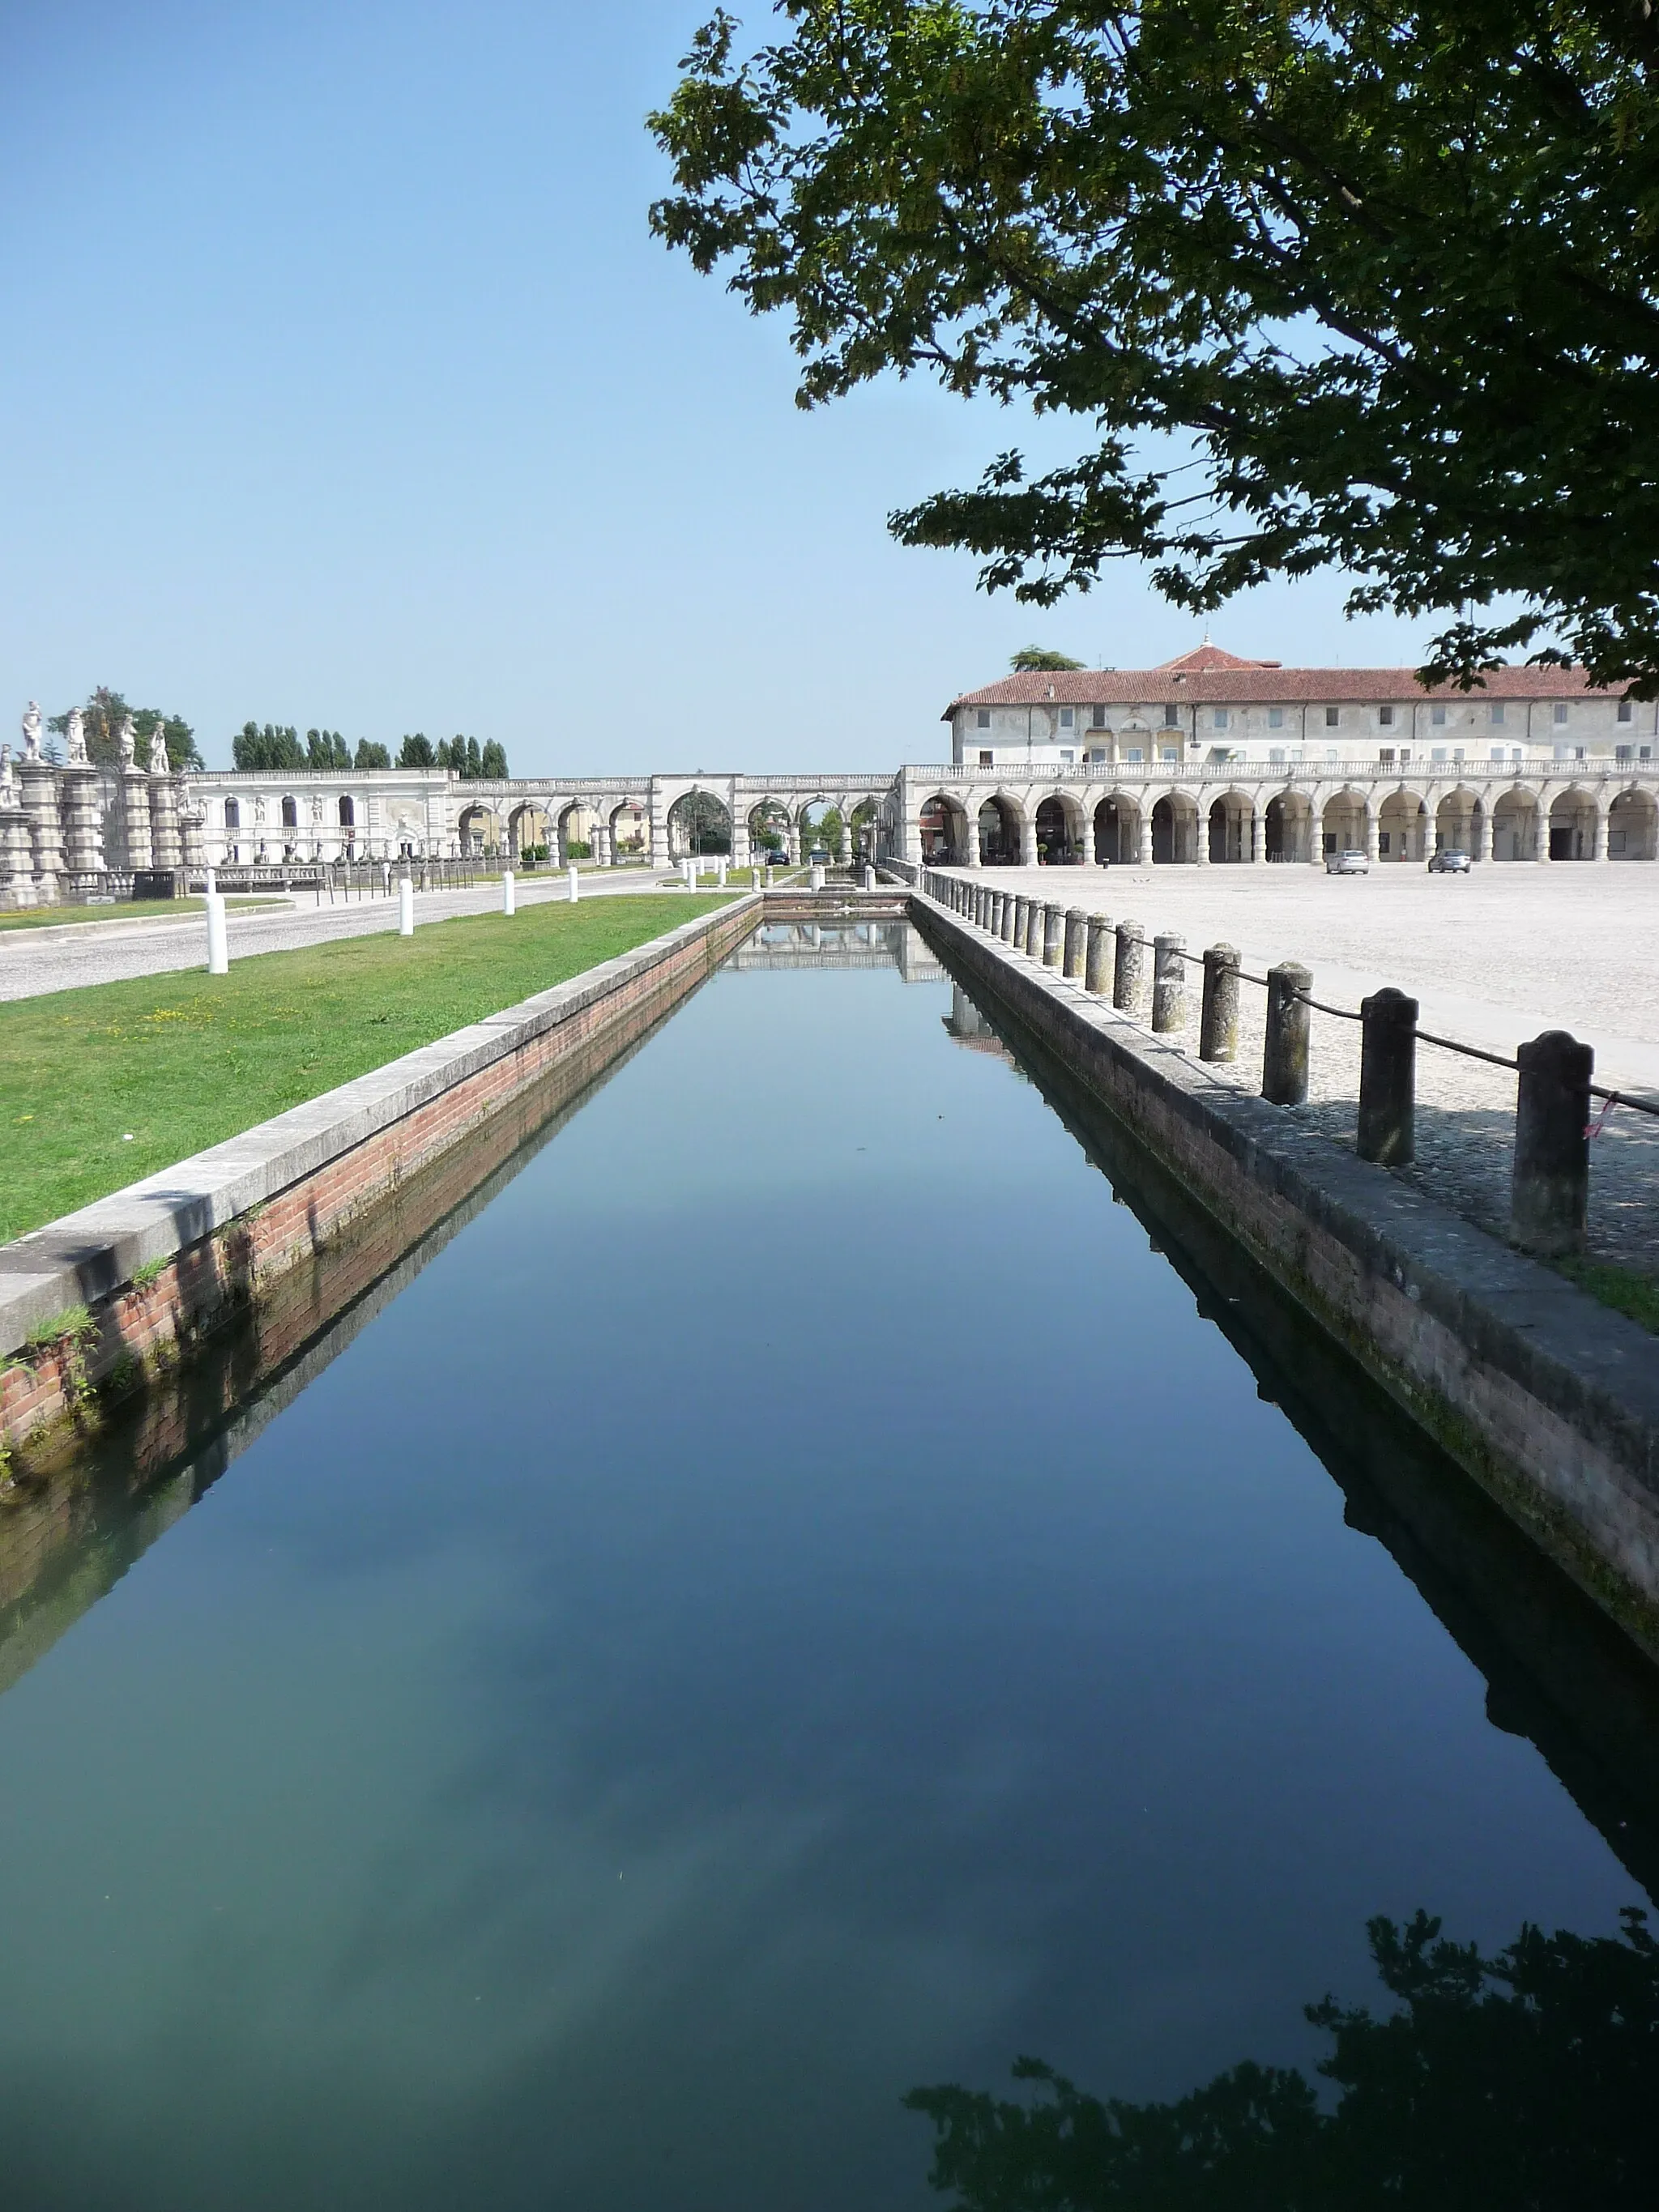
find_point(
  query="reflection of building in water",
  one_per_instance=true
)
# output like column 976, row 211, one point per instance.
column 969, row 1027
column 788, row 945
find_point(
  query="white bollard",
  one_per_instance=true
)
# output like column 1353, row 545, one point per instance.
column 218, row 943
column 571, row 879
column 508, row 905
column 212, row 883
column 405, row 906
column 720, row 873
column 817, row 878
column 689, row 870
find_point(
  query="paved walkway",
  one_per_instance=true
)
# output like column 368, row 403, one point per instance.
column 1492, row 958
column 36, row 961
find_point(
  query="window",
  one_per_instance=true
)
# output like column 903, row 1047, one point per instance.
column 1168, row 753
column 1171, row 716
column 1404, row 754
column 1385, row 715
column 1275, row 718
column 1097, row 717
column 1495, row 753
column 233, row 814
column 1624, row 752
column 1558, row 712
column 1438, row 753
column 1133, row 753
column 1220, row 718
column 982, row 718
column 1458, row 752
column 1385, row 756
column 290, row 814
column 1098, row 756
column 1069, row 718
column 1383, row 843
column 1276, row 753
column 348, row 815
column 1333, row 716
column 1437, row 716
column 1578, row 753
column 1068, row 755
column 1625, row 710
column 1645, row 753
column 1497, row 715
column 985, row 756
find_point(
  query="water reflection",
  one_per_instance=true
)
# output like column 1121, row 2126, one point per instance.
column 1525, row 2082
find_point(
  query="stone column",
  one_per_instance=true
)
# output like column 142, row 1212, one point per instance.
column 1201, row 841
column 37, row 782
column 165, row 849
column 1373, row 830
column 1144, row 850
column 794, row 844
column 1484, row 850
column 1258, row 853
column 973, row 860
column 1218, row 1016
column 1550, row 1186
column 81, row 806
column 844, row 845
column 1599, row 850
column 742, row 850
column 135, row 810
column 16, row 860
column 1387, row 1079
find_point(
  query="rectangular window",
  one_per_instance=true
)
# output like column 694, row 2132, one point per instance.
column 1068, row 755
column 1133, row 754
column 1578, row 753
column 1171, row 717
column 985, row 756
column 1558, row 712
column 1385, row 756
column 1168, row 753
column 1624, row 752
column 1333, row 716
column 1275, row 718
column 1097, row 717
column 1404, row 754
column 1458, row 752
column 1097, row 756
column 1276, row 753
column 1220, row 718
column 1625, row 710
column 1438, row 753
column 1069, row 718
column 1497, row 753
column 1385, row 715
column 1437, row 716
column 1383, row 843
column 1497, row 715
column 983, row 719
column 1646, row 753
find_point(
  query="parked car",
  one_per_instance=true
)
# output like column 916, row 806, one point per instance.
column 1450, row 862
column 1350, row 863
column 818, row 858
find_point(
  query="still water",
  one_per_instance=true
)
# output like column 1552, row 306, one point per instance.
column 793, row 1602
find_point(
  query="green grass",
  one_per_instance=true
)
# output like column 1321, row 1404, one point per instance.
column 184, row 1062
column 54, row 917
column 1621, row 1288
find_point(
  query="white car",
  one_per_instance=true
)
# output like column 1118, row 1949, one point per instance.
column 1350, row 863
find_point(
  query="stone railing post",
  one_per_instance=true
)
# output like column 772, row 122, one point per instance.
column 1549, row 1193
column 1168, row 984
column 1285, row 1062
column 1217, row 1013
column 1387, row 1079
column 1077, row 938
column 1129, row 969
column 1020, row 904
column 1034, row 929
column 1008, row 908
column 1097, row 964
column 1054, row 936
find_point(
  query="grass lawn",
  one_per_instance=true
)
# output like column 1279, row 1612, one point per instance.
column 54, row 917
column 184, row 1062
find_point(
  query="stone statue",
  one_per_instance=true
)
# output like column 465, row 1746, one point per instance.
column 77, row 738
column 159, row 762
column 32, row 731
column 127, row 738
column 259, row 811
column 5, row 776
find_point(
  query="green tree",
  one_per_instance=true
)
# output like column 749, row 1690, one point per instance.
column 270, row 750
column 370, row 754
column 1338, row 282
column 492, row 761
column 1041, row 657
column 416, row 752
column 102, row 716
column 327, row 749
column 474, row 759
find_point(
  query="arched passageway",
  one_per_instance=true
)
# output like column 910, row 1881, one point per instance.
column 1289, row 827
column 1633, row 827
column 770, row 830
column 628, row 831
column 1342, row 826
column 1401, row 827
column 1231, row 827
column 1175, row 829
column 1457, row 824
column 999, row 834
column 1117, row 831
column 1058, row 832
column 698, row 822
column 823, row 830
column 1572, row 827
column 943, row 832
column 1515, row 827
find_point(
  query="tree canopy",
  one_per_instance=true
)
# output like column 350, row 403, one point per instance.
column 102, row 716
column 1340, row 283
column 1042, row 657
column 272, row 749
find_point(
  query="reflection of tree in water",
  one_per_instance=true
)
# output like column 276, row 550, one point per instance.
column 1530, row 2080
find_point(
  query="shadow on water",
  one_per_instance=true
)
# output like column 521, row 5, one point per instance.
column 1558, row 1672
column 1521, row 2082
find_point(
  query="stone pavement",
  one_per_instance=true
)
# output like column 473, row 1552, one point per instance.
column 33, row 962
column 1493, row 959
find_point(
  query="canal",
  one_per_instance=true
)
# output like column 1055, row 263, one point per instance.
column 811, row 1588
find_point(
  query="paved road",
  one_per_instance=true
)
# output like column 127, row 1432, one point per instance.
column 33, row 962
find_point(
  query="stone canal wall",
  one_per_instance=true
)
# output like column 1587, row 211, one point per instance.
column 1549, row 1400
column 162, row 1265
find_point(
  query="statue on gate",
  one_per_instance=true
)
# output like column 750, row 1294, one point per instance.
column 7, row 792
column 127, row 737
column 159, row 762
column 32, row 731
column 77, row 738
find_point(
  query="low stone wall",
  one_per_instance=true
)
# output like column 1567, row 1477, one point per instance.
column 166, row 1262
column 1549, row 1400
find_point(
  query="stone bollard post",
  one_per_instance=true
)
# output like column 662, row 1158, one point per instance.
column 1017, row 933
column 405, row 906
column 218, row 941
column 1054, row 936
column 1098, row 966
column 1129, row 969
column 816, row 878
column 1077, row 939
column 1218, row 1018
column 1549, row 1193
column 1285, row 1062
column 509, row 901
column 1034, row 929
column 1168, row 984
column 1387, row 1079
column 572, row 883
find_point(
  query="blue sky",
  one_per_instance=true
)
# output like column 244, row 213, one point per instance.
column 343, row 385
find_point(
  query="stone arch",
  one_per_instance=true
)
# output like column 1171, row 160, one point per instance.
column 770, row 819
column 999, row 821
column 1514, row 826
column 1572, row 825
column 478, row 828
column 527, row 828
column 1117, row 825
column 699, row 822
column 629, row 826
column 1058, row 821
column 1175, row 828
column 1633, row 827
column 1342, row 821
column 1230, row 826
column 944, row 827
column 1289, row 829
column 827, row 834
column 1458, row 823
column 1401, row 827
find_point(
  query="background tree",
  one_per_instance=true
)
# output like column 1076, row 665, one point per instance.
column 1340, row 283
column 416, row 752
column 102, row 716
column 492, row 761
column 369, row 755
column 327, row 749
column 270, row 750
column 1040, row 656
column 474, row 759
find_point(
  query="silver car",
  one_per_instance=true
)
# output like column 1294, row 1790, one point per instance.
column 1448, row 862
column 1350, row 863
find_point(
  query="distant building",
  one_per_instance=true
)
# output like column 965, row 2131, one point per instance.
column 1209, row 706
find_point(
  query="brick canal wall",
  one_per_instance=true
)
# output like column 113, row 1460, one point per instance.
column 1549, row 1400
column 164, row 1265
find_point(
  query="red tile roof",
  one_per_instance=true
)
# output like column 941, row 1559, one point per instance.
column 1223, row 681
